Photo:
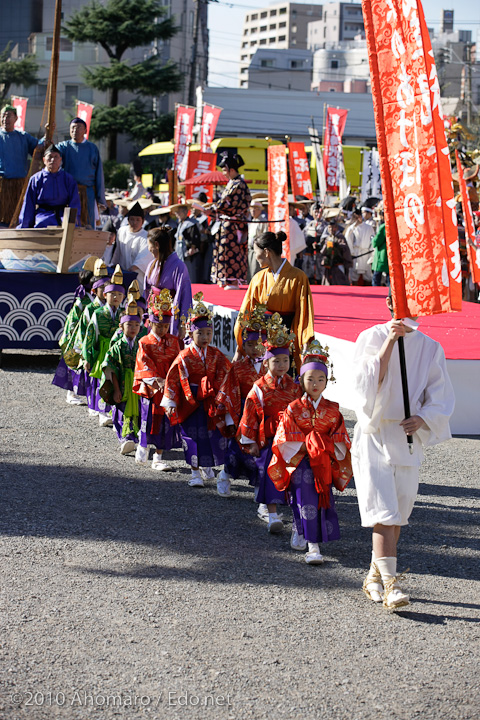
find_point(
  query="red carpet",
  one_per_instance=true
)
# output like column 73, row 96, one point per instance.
column 344, row 312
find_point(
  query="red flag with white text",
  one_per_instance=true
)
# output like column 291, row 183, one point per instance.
column 419, row 206
column 210, row 116
column 473, row 252
column 299, row 170
column 199, row 163
column 84, row 111
column 332, row 152
column 20, row 104
column 185, row 118
column 278, row 194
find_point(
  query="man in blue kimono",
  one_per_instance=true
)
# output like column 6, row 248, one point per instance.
column 81, row 159
column 49, row 192
column 15, row 147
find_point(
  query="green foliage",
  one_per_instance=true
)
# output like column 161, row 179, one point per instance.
column 16, row 72
column 133, row 120
column 116, row 174
column 149, row 77
column 120, row 24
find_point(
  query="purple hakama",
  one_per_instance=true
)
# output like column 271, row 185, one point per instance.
column 167, row 438
column 202, row 447
column 265, row 490
column 316, row 524
column 117, row 418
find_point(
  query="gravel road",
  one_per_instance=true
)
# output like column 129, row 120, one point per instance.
column 127, row 594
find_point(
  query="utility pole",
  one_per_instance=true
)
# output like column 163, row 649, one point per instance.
column 193, row 61
column 468, row 82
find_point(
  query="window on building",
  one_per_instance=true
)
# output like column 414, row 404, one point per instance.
column 263, row 28
column 273, row 13
column 263, row 41
column 243, row 83
column 295, row 64
column 263, row 15
column 253, row 43
column 267, row 62
column 282, row 11
column 294, row 28
column 245, row 32
column 253, row 30
column 282, row 24
column 325, row 31
column 271, row 40
column 334, row 64
column 273, row 26
column 282, row 38
column 71, row 95
column 66, row 45
column 254, row 17
column 243, row 70
column 245, row 44
column 293, row 41
column 244, row 58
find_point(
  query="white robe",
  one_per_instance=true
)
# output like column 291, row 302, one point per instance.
column 359, row 239
column 379, row 408
column 132, row 249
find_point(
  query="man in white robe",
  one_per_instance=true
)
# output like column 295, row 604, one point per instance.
column 131, row 247
column 385, row 468
column 359, row 239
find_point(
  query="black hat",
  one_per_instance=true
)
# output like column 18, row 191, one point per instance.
column 136, row 211
column 232, row 161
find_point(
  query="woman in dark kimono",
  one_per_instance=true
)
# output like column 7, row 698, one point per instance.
column 230, row 256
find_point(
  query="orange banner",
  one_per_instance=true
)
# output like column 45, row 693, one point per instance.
column 420, row 219
column 332, row 154
column 199, row 163
column 473, row 252
column 184, row 121
column 299, row 170
column 278, row 194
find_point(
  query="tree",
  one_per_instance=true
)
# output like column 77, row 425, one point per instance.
column 16, row 72
column 133, row 119
column 117, row 26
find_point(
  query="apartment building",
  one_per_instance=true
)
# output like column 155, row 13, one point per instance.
column 340, row 22
column 278, row 26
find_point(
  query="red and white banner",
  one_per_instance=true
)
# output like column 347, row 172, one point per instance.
column 185, row 119
column 299, row 170
column 199, row 163
column 332, row 152
column 421, row 225
column 84, row 112
column 278, row 194
column 473, row 252
column 20, row 104
column 210, row 116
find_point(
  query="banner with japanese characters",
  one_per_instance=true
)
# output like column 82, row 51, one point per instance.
column 317, row 149
column 198, row 164
column 20, row 104
column 278, row 194
column 299, row 170
column 210, row 116
column 371, row 181
column 419, row 206
column 84, row 111
column 332, row 153
column 185, row 118
column 473, row 252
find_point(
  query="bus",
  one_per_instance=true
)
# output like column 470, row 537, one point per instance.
column 157, row 159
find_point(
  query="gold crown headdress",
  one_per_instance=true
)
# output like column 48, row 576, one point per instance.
column 117, row 277
column 253, row 320
column 199, row 311
column 315, row 352
column 162, row 304
column 278, row 335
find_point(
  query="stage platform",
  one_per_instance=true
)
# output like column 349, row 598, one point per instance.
column 341, row 313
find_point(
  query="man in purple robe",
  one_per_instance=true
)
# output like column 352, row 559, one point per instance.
column 49, row 192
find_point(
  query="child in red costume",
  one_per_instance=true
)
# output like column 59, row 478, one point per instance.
column 264, row 407
column 232, row 395
column 311, row 452
column 191, row 387
column 156, row 353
